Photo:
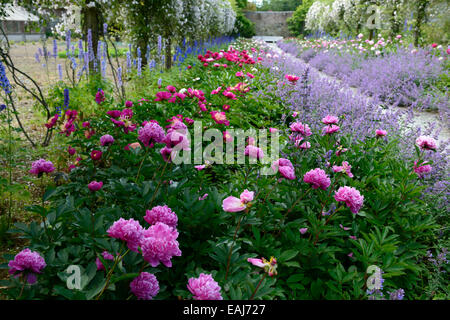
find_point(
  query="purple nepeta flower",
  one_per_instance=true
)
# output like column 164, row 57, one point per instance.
column 29, row 262
column 145, row 286
column 397, row 294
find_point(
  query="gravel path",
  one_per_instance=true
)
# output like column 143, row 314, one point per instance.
column 421, row 118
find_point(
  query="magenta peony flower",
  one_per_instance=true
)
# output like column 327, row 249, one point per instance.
column 352, row 198
column 128, row 104
column 162, row 95
column 52, row 121
column 330, row 120
column 96, row 155
column 291, row 78
column 253, row 152
column 284, row 167
column 28, row 262
column 127, row 230
column 145, row 286
column 426, row 143
column 159, row 244
column 95, row 186
column 114, row 113
column 106, row 140
column 107, row 256
column 204, row 288
column 317, row 178
column 166, row 153
column 380, row 133
column 151, row 133
column 422, row 169
column 100, row 96
column 161, row 214
column 41, row 166
column 71, row 150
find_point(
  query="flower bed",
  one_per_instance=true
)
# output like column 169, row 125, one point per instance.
column 137, row 225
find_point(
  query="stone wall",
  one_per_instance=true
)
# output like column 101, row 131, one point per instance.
column 270, row 23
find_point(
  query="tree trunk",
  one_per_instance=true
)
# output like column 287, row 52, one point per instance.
column 91, row 21
column 142, row 44
column 168, row 53
column 421, row 8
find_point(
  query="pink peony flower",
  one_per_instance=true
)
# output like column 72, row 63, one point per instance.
column 273, row 130
column 226, row 107
column 128, row 104
column 127, row 230
column 303, row 230
column 284, row 167
column 151, row 133
column 352, row 198
column 41, row 166
column 330, row 129
column 303, row 129
column 345, row 168
column 380, row 133
column 95, row 186
column 106, row 140
column 145, row 286
column 239, row 74
column 159, row 244
column 269, row 266
column 28, row 262
column 247, row 196
column 204, row 288
column 426, row 143
column 107, row 256
column 317, row 178
column 330, row 120
column 220, row 117
column 161, row 214
column 233, row 204
column 422, row 169
column 253, row 152
column 227, row 137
